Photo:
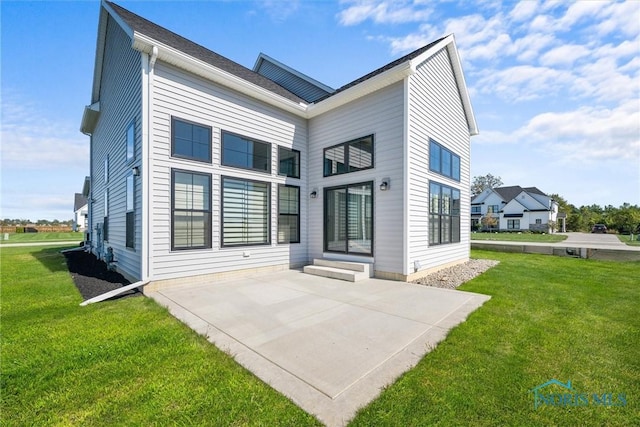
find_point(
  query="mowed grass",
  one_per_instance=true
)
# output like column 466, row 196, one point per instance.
column 42, row 237
column 123, row 362
column 548, row 318
column 128, row 362
column 519, row 237
column 627, row 239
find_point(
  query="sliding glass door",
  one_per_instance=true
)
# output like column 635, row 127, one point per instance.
column 348, row 219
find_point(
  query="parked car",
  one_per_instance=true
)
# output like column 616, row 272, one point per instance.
column 599, row 228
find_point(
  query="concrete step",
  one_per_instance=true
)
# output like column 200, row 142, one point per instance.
column 344, row 265
column 336, row 273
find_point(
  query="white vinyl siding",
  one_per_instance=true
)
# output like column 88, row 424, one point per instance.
column 435, row 112
column 379, row 114
column 179, row 94
column 120, row 101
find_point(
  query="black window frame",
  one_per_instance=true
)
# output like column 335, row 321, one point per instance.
column 347, row 166
column 440, row 168
column 511, row 224
column 175, row 120
column 267, row 223
column 344, row 228
column 130, row 186
column 288, row 215
column 445, row 221
column 224, row 161
column 208, row 232
column 296, row 166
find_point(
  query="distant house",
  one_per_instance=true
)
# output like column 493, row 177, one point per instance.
column 201, row 167
column 514, row 209
column 80, row 212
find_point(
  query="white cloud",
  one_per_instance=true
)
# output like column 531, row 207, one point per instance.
column 31, row 142
column 524, row 10
column 383, row 12
column 620, row 17
column 564, row 55
column 279, row 11
column 523, row 82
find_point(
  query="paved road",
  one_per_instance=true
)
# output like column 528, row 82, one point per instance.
column 585, row 240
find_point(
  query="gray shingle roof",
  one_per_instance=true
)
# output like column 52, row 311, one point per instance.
column 510, row 193
column 156, row 32
column 169, row 38
column 79, row 201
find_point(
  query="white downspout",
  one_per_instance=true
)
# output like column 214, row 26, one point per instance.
column 147, row 163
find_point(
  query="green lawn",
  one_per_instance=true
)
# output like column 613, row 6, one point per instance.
column 519, row 237
column 128, row 362
column 124, row 362
column 42, row 237
column 626, row 238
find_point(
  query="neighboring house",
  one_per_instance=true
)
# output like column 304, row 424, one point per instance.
column 81, row 208
column 514, row 209
column 201, row 167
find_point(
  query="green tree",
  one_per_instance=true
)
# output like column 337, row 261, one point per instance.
column 481, row 183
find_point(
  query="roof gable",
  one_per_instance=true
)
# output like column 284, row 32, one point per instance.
column 79, row 201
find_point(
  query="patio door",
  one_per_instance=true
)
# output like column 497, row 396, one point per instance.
column 348, row 219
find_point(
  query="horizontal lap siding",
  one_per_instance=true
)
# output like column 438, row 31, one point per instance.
column 381, row 114
column 120, row 103
column 435, row 111
column 178, row 94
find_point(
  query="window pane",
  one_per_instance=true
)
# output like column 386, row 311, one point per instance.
column 191, row 141
column 336, row 220
column 446, row 162
column 361, row 154
column 455, row 229
column 434, row 203
column 434, row 157
column 289, row 162
column 359, row 215
column 434, row 229
column 130, row 141
column 130, row 235
column 288, row 214
column 245, row 212
column 334, row 161
column 446, row 201
column 191, row 210
column 244, row 153
column 455, row 168
column 130, row 194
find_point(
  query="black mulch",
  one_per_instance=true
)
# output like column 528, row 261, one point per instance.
column 92, row 278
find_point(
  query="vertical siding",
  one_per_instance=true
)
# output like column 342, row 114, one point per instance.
column 179, row 94
column 120, row 103
column 381, row 114
column 435, row 111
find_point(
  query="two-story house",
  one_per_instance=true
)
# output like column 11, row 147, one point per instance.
column 513, row 209
column 201, row 167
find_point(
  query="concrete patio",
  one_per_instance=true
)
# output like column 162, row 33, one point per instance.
column 327, row 344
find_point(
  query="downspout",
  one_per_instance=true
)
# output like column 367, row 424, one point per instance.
column 147, row 166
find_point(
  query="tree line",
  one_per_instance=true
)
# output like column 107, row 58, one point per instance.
column 6, row 222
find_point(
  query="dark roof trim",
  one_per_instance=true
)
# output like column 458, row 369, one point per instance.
column 516, row 215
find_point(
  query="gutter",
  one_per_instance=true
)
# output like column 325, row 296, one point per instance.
column 115, row 292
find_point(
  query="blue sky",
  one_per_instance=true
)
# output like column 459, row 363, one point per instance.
column 555, row 86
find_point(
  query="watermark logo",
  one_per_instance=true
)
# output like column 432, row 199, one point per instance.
column 547, row 395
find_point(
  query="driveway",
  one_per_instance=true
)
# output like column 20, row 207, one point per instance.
column 329, row 345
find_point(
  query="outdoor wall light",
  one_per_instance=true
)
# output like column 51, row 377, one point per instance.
column 135, row 170
column 314, row 194
column 385, row 184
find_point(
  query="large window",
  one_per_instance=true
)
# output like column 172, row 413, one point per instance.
column 288, row 214
column 348, row 219
column 131, row 138
column 288, row 162
column 513, row 224
column 245, row 212
column 443, row 161
column 191, row 210
column 245, row 153
column 349, row 156
column 190, row 140
column 130, row 212
column 493, row 209
column 444, row 214
column 476, row 209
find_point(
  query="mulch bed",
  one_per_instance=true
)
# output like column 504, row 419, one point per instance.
column 92, row 278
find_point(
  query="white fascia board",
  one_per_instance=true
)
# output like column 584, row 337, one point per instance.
column 387, row 78
column 449, row 43
column 170, row 55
